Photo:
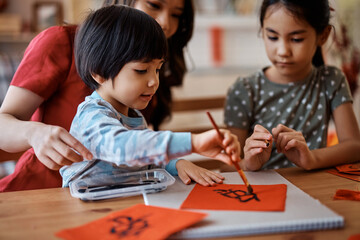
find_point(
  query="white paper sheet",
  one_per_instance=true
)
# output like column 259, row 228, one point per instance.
column 302, row 212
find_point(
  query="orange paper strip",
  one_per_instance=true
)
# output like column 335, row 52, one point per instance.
column 137, row 222
column 349, row 168
column 233, row 197
column 344, row 194
column 217, row 34
column 345, row 175
column 354, row 237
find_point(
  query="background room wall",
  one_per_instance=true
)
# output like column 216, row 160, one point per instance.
column 225, row 44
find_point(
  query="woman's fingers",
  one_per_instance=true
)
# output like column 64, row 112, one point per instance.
column 73, row 143
column 56, row 147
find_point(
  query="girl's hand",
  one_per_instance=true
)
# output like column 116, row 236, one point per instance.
column 292, row 143
column 210, row 144
column 188, row 171
column 256, row 150
column 56, row 147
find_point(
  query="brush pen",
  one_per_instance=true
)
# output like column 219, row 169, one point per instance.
column 236, row 164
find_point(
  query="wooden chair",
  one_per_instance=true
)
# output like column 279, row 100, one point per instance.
column 192, row 113
column 198, row 104
column 194, row 119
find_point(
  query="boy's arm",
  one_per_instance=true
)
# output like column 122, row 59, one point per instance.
column 103, row 133
column 171, row 167
column 99, row 128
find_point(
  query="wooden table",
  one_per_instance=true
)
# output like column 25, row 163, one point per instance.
column 38, row 214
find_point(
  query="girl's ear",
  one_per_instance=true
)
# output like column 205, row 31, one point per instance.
column 99, row 79
column 324, row 35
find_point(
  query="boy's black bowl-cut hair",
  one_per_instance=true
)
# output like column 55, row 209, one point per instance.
column 113, row 36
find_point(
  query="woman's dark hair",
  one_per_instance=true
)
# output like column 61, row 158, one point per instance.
column 314, row 12
column 113, row 36
column 173, row 71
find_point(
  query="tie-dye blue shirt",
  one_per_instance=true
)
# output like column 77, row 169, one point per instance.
column 120, row 143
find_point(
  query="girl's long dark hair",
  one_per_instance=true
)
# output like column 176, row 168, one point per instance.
column 314, row 12
column 173, row 71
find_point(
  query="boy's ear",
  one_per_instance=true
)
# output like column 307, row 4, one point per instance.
column 99, row 79
column 324, row 35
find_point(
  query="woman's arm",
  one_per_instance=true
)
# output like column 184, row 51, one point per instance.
column 52, row 144
column 15, row 112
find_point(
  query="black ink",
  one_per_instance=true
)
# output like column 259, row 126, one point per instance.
column 116, row 186
column 125, row 226
column 355, row 166
column 120, row 185
column 241, row 195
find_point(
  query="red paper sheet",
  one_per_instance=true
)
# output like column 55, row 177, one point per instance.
column 233, row 197
column 137, row 222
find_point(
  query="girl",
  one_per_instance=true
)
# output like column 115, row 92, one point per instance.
column 46, row 89
column 119, row 52
column 289, row 104
column 178, row 28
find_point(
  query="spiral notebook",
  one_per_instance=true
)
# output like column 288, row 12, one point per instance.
column 302, row 212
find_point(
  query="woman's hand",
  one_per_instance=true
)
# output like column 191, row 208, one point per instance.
column 53, row 145
column 56, row 147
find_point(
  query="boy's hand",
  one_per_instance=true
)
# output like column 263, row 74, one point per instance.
column 292, row 143
column 256, row 150
column 188, row 171
column 210, row 144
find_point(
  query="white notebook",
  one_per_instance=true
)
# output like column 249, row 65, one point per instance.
column 302, row 212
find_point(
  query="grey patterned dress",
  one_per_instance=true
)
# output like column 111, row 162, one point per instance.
column 305, row 106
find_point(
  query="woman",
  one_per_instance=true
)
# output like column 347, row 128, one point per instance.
column 176, row 19
column 46, row 89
